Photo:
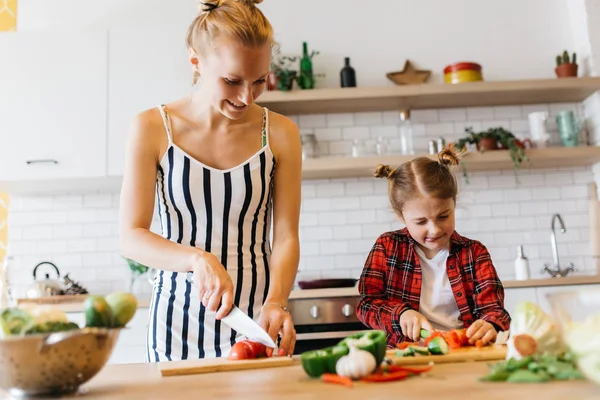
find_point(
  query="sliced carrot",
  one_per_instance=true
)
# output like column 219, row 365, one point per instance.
column 404, row 345
column 340, row 380
column 479, row 343
column 525, row 344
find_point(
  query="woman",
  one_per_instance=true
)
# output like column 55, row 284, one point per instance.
column 221, row 169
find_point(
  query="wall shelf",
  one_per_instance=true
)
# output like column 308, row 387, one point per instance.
column 348, row 167
column 472, row 94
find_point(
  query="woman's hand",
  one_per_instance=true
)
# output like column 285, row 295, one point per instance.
column 411, row 323
column 481, row 330
column 214, row 284
column 276, row 322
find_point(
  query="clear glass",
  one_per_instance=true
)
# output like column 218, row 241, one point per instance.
column 308, row 146
column 405, row 131
column 578, row 316
column 382, row 146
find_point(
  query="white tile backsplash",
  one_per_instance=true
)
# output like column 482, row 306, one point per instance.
column 341, row 218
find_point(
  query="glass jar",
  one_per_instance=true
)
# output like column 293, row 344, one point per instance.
column 405, row 131
column 309, row 143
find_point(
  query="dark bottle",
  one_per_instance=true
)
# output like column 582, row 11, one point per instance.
column 306, row 79
column 347, row 74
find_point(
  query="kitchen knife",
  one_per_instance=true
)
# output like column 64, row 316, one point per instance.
column 242, row 323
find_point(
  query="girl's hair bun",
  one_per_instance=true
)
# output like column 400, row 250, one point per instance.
column 449, row 156
column 383, row 171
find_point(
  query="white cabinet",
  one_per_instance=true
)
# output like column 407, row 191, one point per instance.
column 53, row 105
column 148, row 64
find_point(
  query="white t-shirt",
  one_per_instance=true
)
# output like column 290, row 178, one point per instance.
column 437, row 302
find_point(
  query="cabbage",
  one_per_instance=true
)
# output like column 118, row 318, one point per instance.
column 532, row 331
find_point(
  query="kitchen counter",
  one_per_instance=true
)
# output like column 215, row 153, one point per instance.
column 74, row 303
column 447, row 381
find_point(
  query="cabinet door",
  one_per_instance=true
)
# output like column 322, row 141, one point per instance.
column 53, row 105
column 148, row 65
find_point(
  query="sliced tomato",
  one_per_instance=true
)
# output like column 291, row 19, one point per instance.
column 462, row 337
column 246, row 349
column 258, row 350
column 452, row 339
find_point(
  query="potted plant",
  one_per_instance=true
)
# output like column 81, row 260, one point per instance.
column 496, row 138
column 282, row 75
column 566, row 67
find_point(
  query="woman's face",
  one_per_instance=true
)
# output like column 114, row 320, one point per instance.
column 233, row 76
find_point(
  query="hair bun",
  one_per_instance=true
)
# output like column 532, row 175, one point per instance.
column 251, row 3
column 208, row 5
column 449, row 156
column 383, row 171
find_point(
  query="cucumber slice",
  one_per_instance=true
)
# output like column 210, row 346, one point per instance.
column 424, row 333
column 422, row 350
column 438, row 346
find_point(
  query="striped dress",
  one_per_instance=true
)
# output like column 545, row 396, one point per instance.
column 227, row 213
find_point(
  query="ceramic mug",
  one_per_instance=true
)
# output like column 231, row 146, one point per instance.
column 537, row 128
column 568, row 128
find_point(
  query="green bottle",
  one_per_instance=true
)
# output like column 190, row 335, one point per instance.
column 306, row 79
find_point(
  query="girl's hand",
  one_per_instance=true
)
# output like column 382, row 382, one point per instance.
column 214, row 284
column 481, row 330
column 276, row 321
column 411, row 323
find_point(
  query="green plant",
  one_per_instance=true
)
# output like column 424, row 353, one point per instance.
column 282, row 68
column 564, row 58
column 506, row 140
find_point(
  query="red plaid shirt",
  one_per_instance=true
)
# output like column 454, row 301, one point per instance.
column 391, row 283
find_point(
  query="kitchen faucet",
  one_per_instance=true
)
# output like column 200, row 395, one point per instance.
column 556, row 271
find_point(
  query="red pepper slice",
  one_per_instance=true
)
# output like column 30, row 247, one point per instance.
column 334, row 378
column 415, row 369
column 383, row 377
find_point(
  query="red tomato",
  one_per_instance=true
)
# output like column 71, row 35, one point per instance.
column 462, row 336
column 246, row 349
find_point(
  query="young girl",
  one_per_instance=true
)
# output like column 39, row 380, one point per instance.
column 427, row 275
column 222, row 170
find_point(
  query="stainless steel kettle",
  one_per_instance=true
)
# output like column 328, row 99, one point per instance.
column 45, row 287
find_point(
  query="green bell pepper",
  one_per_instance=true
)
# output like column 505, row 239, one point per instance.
column 318, row 362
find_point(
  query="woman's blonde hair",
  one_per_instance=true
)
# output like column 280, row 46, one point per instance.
column 422, row 176
column 240, row 20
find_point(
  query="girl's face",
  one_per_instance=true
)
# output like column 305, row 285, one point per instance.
column 233, row 76
column 430, row 222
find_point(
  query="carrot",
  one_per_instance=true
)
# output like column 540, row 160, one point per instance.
column 404, row 345
column 340, row 380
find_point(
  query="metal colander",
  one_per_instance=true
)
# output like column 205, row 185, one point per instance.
column 54, row 364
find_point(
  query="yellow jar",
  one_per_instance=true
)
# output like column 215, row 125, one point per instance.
column 463, row 72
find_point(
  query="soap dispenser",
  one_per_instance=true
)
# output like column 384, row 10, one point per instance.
column 521, row 265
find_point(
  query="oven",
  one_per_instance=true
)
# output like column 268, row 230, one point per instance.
column 323, row 322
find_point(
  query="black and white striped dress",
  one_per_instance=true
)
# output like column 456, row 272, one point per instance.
column 225, row 212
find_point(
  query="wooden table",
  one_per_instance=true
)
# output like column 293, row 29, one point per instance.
column 445, row 381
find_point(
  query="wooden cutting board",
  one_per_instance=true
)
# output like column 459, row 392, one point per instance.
column 488, row 353
column 188, row 367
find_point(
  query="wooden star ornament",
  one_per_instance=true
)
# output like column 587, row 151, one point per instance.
column 409, row 75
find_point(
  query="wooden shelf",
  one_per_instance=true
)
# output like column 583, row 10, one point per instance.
column 479, row 94
column 349, row 167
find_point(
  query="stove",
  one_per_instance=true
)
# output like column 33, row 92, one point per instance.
column 323, row 322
